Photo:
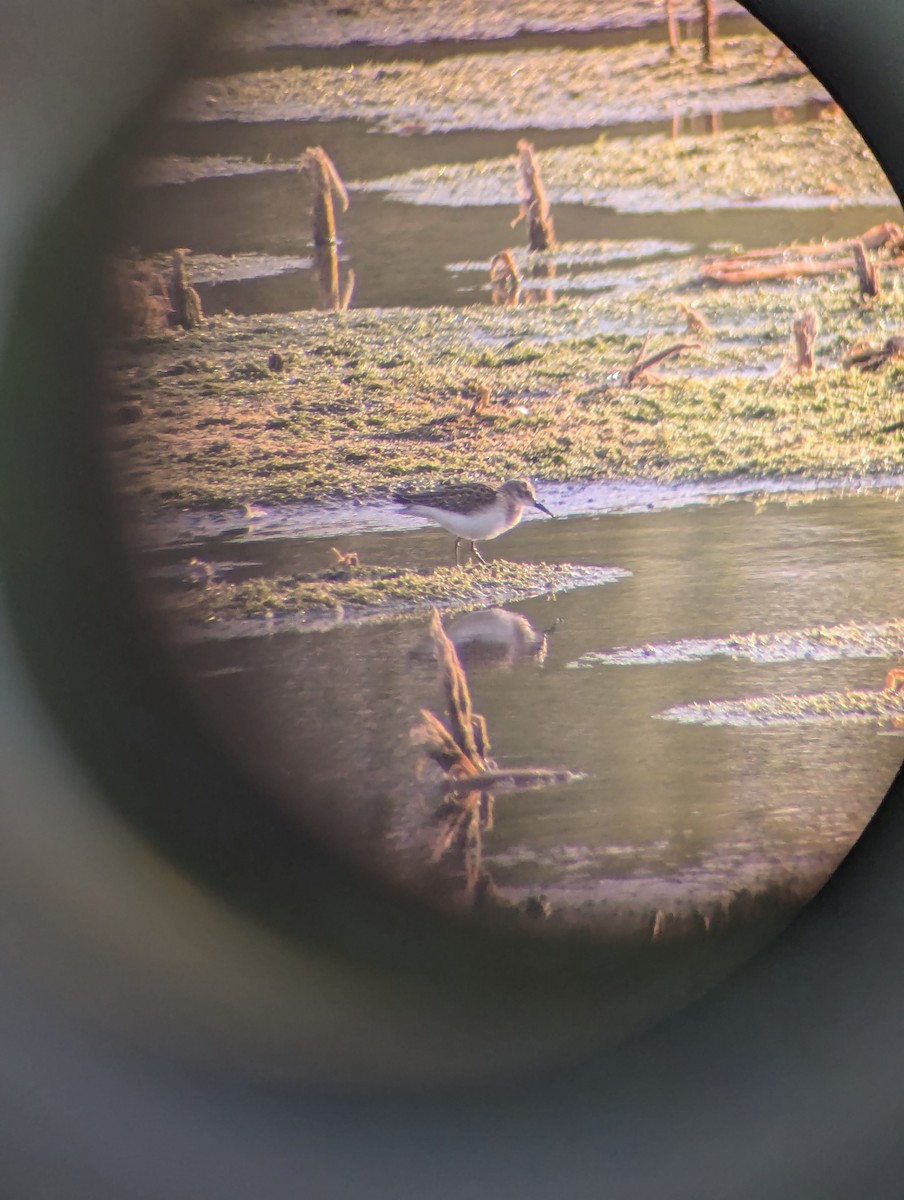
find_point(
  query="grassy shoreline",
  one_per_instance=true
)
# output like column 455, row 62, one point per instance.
column 369, row 398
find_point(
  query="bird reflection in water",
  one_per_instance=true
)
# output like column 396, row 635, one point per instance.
column 493, row 637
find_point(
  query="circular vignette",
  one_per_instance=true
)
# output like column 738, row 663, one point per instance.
column 82, row 629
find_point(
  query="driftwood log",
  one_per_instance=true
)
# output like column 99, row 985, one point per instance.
column 800, row 261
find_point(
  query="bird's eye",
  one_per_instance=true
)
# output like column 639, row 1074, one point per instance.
column 348, row 295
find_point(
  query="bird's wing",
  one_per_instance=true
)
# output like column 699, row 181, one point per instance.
column 461, row 497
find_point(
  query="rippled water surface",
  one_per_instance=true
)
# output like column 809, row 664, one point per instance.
column 669, row 812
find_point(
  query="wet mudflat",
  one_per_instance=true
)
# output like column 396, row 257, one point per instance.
column 670, row 814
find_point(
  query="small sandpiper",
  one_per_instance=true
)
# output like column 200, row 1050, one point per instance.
column 474, row 512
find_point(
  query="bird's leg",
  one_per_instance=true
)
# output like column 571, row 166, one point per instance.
column 457, row 544
column 477, row 554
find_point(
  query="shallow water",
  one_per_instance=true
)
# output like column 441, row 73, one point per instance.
column 669, row 814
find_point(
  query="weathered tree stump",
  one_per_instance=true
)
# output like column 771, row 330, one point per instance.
column 708, row 16
column 867, row 272
column 803, row 331
column 534, row 203
column 326, row 185
column 185, row 303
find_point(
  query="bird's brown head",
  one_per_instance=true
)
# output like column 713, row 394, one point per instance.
column 522, row 492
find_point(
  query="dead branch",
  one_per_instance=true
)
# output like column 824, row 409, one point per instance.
column 521, row 778
column 871, row 358
column 696, row 322
column 534, row 203
column 641, row 365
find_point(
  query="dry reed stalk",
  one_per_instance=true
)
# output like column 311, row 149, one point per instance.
column 867, row 272
column 505, row 280
column 185, row 303
column 326, row 185
column 534, row 203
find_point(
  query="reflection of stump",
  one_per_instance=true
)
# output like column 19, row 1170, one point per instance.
column 804, row 330
column 185, row 303
column 332, row 295
column 534, row 204
column 867, row 272
column 708, row 16
column 505, row 279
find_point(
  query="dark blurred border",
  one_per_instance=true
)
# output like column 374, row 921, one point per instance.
column 785, row 1082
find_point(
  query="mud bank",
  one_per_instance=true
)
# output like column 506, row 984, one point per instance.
column 388, row 22
column 549, row 89
column 812, row 164
column 365, row 593
column 368, row 398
